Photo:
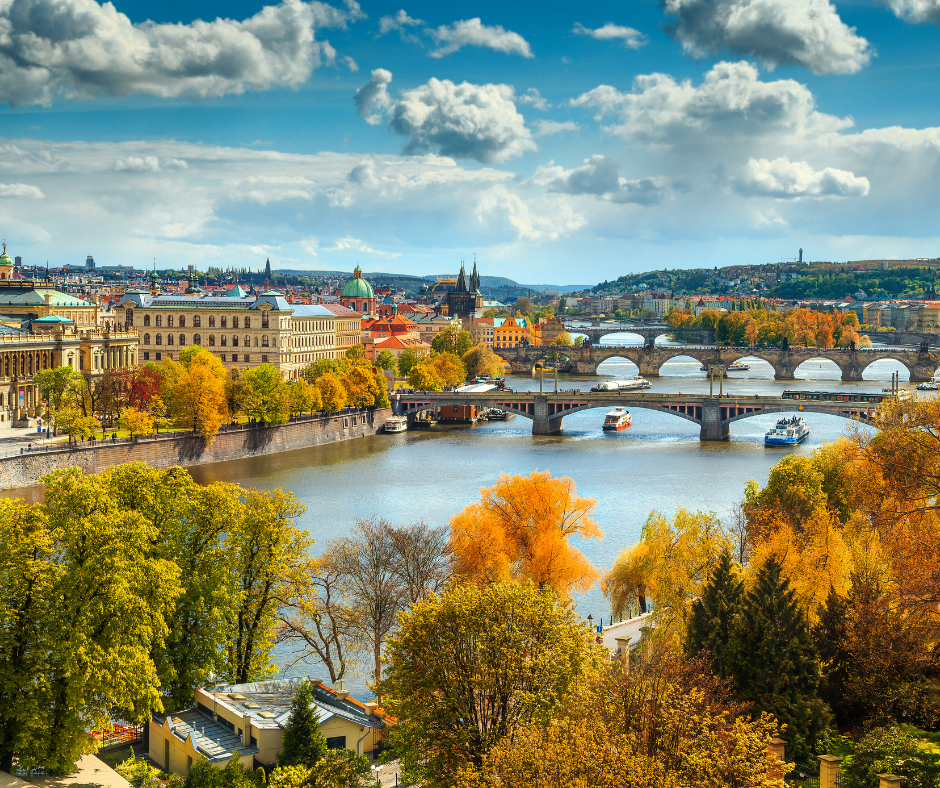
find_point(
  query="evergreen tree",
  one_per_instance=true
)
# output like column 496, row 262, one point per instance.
column 775, row 662
column 831, row 637
column 712, row 623
column 303, row 743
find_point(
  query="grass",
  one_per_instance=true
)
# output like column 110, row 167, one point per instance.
column 928, row 741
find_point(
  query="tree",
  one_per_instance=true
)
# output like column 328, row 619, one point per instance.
column 314, row 371
column 480, row 361
column 508, row 654
column 54, row 385
column 450, row 369
column 268, row 548
column 452, row 340
column 408, row 359
column 356, row 354
column 75, row 424
column 563, row 339
column 627, row 584
column 303, row 743
column 268, row 399
column 424, row 377
column 523, row 306
column 136, row 422
column 332, row 392
column 712, row 622
column 302, row 397
column 385, row 360
column 381, row 392
column 361, row 387
column 774, row 664
column 421, row 560
column 198, row 396
column 519, row 530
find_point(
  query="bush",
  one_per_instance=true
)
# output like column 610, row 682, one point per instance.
column 893, row 751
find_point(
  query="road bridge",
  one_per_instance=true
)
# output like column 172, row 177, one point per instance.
column 921, row 363
column 714, row 415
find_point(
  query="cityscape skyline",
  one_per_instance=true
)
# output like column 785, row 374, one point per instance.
column 687, row 133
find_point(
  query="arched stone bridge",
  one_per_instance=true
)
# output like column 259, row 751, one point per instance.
column 597, row 331
column 921, row 364
column 547, row 411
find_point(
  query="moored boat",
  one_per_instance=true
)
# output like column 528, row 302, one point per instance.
column 497, row 414
column 395, row 424
column 731, row 368
column 630, row 384
column 617, row 419
column 787, row 432
column 931, row 386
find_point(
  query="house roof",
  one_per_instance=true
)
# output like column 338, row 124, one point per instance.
column 37, row 297
column 215, row 741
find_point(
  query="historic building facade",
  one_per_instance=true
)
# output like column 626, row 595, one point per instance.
column 465, row 300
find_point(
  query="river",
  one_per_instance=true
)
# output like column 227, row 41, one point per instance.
column 657, row 464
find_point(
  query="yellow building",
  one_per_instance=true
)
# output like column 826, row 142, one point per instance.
column 509, row 332
column 247, row 721
column 548, row 332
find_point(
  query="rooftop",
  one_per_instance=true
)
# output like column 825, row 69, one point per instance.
column 211, row 738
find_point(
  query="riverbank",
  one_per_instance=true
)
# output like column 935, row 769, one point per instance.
column 162, row 451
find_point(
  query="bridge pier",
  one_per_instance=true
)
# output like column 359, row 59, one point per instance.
column 543, row 422
column 587, row 367
column 712, row 427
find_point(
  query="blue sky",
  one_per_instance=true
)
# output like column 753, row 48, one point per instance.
column 560, row 143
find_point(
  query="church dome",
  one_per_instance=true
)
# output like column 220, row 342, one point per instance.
column 5, row 258
column 357, row 287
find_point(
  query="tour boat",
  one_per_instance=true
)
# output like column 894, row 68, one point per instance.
column 497, row 414
column 788, row 432
column 931, row 386
column 731, row 368
column 631, row 384
column 396, row 424
column 617, row 419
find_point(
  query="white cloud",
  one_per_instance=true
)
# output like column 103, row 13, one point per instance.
column 472, row 32
column 464, row 121
column 546, row 128
column 806, row 33
column 351, row 64
column 500, row 209
column 141, row 164
column 916, row 10
column 731, row 102
column 400, row 22
column 349, row 244
column 631, row 38
column 81, row 49
column 21, row 190
column 789, row 180
column 599, row 176
column 535, row 99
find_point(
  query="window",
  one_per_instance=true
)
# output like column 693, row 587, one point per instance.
column 345, row 423
column 234, row 358
column 264, row 359
column 146, row 356
column 159, row 339
column 129, row 316
column 234, row 322
column 182, row 339
column 211, row 321
column 234, row 340
column 264, row 319
column 197, row 340
column 146, row 320
column 211, row 340
column 336, row 743
column 224, row 322
column 182, row 321
column 248, row 341
column 247, row 359
column 146, row 339
column 223, row 357
column 264, row 340
column 197, row 321
column 223, row 340
column 159, row 320
column 247, row 322
column 169, row 339
column 169, row 321
column 158, row 356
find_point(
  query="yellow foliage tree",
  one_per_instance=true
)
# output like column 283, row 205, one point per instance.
column 450, row 369
column 136, row 422
column 198, row 397
column 361, row 387
column 424, row 377
column 332, row 392
column 519, row 530
column 481, row 361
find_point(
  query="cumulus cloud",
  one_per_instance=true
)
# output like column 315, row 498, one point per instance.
column 21, row 190
column 545, row 128
column 632, row 39
column 472, row 32
column 599, row 176
column 140, row 164
column 789, row 180
column 363, row 174
column 806, row 33
column 730, row 102
column 916, row 10
column 83, row 49
column 465, row 121
column 535, row 99
column 400, row 22
column 499, row 208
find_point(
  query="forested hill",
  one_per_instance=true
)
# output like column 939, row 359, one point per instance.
column 907, row 282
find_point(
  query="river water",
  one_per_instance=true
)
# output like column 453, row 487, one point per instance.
column 657, row 464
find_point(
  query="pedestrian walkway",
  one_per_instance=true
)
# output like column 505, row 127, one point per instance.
column 90, row 772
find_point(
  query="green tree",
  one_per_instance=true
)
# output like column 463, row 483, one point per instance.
column 314, row 371
column 508, row 654
column 408, row 359
column 381, row 391
column 452, row 340
column 775, row 665
column 712, row 621
column 55, row 385
column 75, row 424
column 268, row 399
column 831, row 638
column 385, row 360
column 302, row 397
column 304, row 744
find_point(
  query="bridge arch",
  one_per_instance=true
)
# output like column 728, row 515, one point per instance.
column 887, row 357
column 822, row 357
column 618, row 357
column 807, row 407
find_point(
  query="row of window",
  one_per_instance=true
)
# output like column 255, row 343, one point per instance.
column 223, row 340
column 245, row 359
column 197, row 320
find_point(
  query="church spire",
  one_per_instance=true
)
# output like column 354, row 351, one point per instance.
column 462, row 279
column 474, row 277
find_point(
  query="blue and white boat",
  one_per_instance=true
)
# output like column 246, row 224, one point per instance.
column 788, row 432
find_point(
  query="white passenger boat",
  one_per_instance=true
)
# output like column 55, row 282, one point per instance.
column 617, row 419
column 731, row 368
column 788, row 432
column 630, row 384
column 396, row 424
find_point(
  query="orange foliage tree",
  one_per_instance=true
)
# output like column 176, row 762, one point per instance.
column 519, row 530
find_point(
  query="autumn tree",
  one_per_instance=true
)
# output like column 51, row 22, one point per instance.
column 198, row 395
column 332, row 392
column 408, row 359
column 361, row 387
column 627, row 584
column 267, row 400
column 480, row 361
column 424, row 376
column 302, row 397
column 450, row 369
column 452, row 340
column 136, row 422
column 519, row 530
column 422, row 560
column 381, row 392
column 508, row 654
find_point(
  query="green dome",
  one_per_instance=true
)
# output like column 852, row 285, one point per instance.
column 357, row 287
column 5, row 258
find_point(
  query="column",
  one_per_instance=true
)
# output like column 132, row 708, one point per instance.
column 777, row 757
column 829, row 768
column 713, row 429
column 889, row 781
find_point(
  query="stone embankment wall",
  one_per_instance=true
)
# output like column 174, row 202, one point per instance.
column 164, row 451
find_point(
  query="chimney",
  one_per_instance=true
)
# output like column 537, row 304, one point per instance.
column 246, row 729
column 340, row 689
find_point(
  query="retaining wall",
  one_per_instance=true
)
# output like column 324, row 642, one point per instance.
column 26, row 469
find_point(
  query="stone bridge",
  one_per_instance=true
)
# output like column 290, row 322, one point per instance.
column 597, row 331
column 921, row 364
column 714, row 415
